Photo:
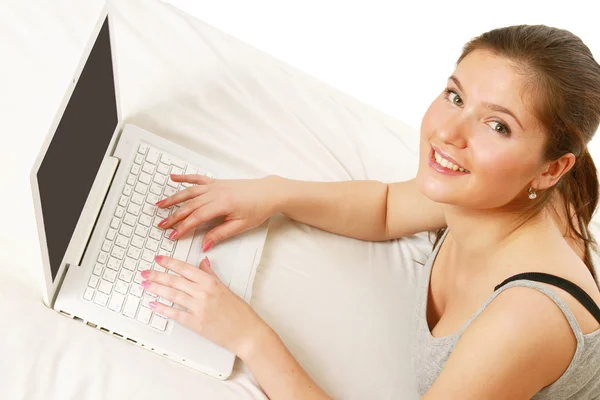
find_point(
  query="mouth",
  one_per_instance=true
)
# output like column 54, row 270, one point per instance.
column 444, row 164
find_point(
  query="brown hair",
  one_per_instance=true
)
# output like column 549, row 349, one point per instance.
column 561, row 72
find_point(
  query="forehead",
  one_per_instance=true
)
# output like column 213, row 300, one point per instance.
column 486, row 77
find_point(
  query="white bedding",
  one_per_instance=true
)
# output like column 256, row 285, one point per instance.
column 342, row 306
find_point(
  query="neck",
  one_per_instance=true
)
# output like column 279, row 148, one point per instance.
column 479, row 234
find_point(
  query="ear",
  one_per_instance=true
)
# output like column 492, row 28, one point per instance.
column 553, row 171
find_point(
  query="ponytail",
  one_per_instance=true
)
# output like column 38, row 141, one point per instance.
column 580, row 188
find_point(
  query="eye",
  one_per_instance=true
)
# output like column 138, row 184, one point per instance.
column 453, row 97
column 500, row 128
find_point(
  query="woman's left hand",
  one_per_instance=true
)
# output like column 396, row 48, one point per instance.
column 213, row 310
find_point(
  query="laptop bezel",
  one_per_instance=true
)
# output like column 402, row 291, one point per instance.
column 74, row 252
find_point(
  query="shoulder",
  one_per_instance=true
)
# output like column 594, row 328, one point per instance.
column 519, row 344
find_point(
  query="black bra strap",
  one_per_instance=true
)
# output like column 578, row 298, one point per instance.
column 562, row 283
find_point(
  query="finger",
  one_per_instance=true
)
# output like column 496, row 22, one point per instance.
column 200, row 215
column 182, row 317
column 191, row 178
column 168, row 290
column 205, row 266
column 177, row 282
column 184, row 269
column 221, row 232
column 181, row 196
column 183, row 212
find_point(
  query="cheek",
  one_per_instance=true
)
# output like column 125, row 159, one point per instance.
column 501, row 173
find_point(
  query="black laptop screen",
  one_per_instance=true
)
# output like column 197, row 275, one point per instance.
column 74, row 156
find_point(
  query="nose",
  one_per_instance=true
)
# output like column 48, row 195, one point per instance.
column 454, row 130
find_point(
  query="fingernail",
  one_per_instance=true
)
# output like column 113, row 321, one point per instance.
column 145, row 273
column 207, row 245
column 158, row 258
column 174, row 174
column 207, row 261
column 145, row 284
column 160, row 203
column 152, row 304
column 173, row 234
column 162, row 223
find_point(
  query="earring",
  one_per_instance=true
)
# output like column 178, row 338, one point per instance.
column 532, row 193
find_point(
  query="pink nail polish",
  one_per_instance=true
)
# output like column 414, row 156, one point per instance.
column 145, row 273
column 159, row 203
column 158, row 258
column 207, row 261
column 162, row 223
column 207, row 246
column 145, row 284
column 152, row 304
column 173, row 234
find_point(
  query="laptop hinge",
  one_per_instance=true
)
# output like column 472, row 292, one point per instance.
column 91, row 210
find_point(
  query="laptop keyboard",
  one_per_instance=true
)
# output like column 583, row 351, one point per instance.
column 133, row 238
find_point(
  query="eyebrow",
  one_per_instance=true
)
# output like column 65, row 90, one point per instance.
column 490, row 106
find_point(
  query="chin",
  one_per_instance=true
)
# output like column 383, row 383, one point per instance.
column 435, row 190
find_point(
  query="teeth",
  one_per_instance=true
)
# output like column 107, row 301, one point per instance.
column 445, row 163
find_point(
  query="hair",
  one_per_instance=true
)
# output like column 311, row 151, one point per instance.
column 563, row 78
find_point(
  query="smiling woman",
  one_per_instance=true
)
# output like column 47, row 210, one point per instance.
column 507, row 308
column 504, row 152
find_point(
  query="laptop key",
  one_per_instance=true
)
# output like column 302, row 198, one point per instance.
column 159, row 322
column 113, row 263
column 126, row 230
column 143, row 148
column 93, row 282
column 152, row 156
column 105, row 287
column 98, row 269
column 141, row 230
column 101, row 299
column 136, row 290
column 129, row 263
column 144, row 315
column 102, row 257
column 131, row 306
column 109, row 275
column 121, row 286
column 89, row 293
column 139, row 158
column 148, row 168
column 116, row 302
column 137, row 199
column 163, row 168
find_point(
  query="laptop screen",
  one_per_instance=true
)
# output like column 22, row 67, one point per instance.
column 74, row 156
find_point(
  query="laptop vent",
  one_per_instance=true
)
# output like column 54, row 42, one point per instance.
column 117, row 334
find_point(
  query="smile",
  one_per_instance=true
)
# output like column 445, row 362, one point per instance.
column 442, row 164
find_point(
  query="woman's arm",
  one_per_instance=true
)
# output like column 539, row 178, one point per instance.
column 367, row 210
column 518, row 345
column 276, row 370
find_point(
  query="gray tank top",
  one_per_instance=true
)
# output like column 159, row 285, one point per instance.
column 581, row 380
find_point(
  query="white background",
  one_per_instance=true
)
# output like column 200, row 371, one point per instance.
column 393, row 55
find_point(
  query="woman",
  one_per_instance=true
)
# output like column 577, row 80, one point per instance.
column 506, row 179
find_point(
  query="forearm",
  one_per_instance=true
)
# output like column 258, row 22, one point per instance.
column 351, row 208
column 277, row 371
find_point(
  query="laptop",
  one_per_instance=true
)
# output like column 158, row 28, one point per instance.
column 95, row 183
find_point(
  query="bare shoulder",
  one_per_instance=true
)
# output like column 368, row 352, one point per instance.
column 537, row 337
column 560, row 260
column 410, row 212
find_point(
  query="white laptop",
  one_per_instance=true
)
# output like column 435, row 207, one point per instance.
column 95, row 183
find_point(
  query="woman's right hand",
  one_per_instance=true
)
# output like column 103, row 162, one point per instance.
column 245, row 204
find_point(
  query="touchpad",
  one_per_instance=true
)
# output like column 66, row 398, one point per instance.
column 222, row 256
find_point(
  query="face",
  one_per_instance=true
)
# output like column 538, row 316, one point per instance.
column 499, row 153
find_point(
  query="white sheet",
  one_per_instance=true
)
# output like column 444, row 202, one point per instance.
column 342, row 306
